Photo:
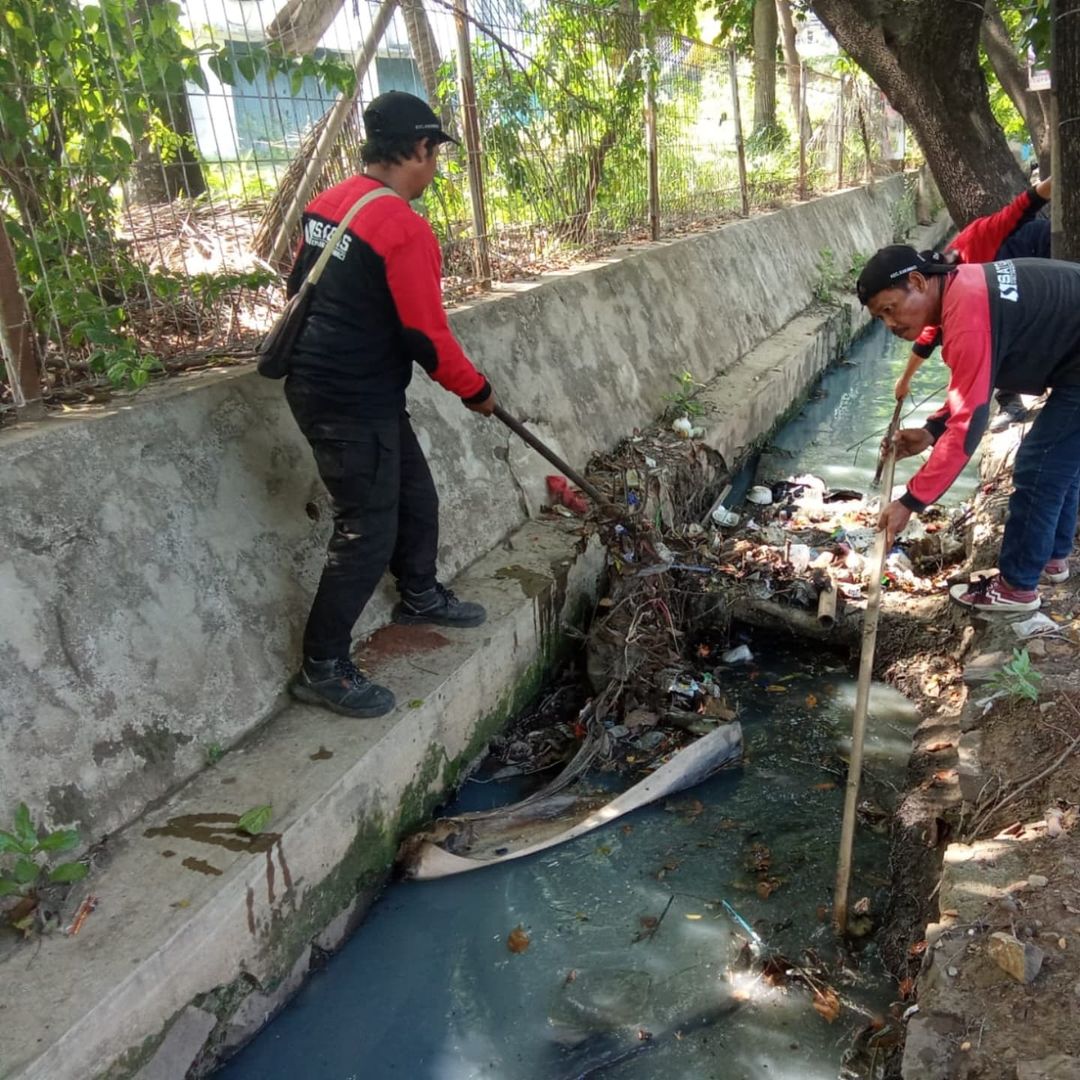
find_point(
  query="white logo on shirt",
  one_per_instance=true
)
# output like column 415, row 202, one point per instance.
column 318, row 233
column 1006, row 279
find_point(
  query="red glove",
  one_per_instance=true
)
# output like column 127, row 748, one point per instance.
column 561, row 492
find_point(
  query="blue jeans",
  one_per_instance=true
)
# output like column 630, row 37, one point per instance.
column 1046, row 490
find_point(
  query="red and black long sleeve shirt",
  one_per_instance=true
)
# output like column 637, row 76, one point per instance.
column 376, row 310
column 989, row 238
column 1011, row 325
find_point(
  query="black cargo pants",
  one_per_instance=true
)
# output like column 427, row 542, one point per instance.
column 386, row 514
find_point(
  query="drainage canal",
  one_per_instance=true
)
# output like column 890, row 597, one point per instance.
column 690, row 938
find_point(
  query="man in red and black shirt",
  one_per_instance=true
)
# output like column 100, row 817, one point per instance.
column 1014, row 232
column 1013, row 325
column 376, row 311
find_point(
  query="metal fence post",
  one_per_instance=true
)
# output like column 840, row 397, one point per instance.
column 17, row 340
column 840, row 136
column 802, row 130
column 470, row 125
column 652, row 150
column 740, row 146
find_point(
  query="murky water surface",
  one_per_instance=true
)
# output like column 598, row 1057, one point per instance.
column 856, row 400
column 428, row 989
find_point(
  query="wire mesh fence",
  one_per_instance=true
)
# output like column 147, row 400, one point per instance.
column 155, row 158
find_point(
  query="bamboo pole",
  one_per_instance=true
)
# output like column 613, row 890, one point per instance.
column 862, row 696
column 470, row 127
column 740, row 145
column 652, row 149
column 841, row 134
column 339, row 113
column 826, row 607
column 802, row 131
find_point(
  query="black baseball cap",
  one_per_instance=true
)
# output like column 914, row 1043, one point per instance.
column 892, row 264
column 398, row 113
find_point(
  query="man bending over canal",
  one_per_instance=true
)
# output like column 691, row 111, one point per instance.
column 1014, row 325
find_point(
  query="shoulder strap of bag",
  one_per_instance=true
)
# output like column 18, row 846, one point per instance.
column 335, row 237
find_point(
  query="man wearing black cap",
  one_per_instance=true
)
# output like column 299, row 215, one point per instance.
column 377, row 310
column 1014, row 325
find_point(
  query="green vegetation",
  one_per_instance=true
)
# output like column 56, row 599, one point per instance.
column 683, row 401
column 26, row 866
column 1018, row 679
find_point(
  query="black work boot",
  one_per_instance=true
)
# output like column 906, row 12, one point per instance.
column 340, row 686
column 437, row 605
column 1012, row 412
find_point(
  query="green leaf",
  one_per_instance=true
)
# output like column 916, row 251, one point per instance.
column 8, row 887
column 68, row 872
column 24, row 827
column 254, row 820
column 61, row 840
column 196, row 75
column 25, row 870
column 9, row 842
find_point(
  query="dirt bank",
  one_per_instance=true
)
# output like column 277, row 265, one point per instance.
column 984, row 859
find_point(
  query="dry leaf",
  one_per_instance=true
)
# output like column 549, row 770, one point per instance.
column 828, row 785
column 776, row 688
column 827, row 1004
column 518, row 941
column 933, row 748
column 906, row 986
column 811, row 701
column 693, row 917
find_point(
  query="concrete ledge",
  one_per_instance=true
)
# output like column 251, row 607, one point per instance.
column 152, row 606
column 196, row 921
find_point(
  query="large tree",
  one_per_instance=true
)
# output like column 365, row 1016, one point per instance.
column 765, row 30
column 1065, row 50
column 1032, row 105
column 924, row 54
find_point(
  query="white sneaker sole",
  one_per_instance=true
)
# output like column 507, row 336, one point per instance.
column 957, row 592
column 1055, row 579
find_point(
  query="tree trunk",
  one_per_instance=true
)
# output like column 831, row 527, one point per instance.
column 155, row 181
column 1032, row 105
column 766, row 28
column 924, row 55
column 18, row 343
column 425, row 50
column 299, row 26
column 1066, row 68
column 792, row 63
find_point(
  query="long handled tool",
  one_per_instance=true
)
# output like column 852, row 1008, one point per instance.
column 522, row 432
column 886, row 469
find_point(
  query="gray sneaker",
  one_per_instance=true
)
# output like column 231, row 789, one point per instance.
column 339, row 685
column 437, row 605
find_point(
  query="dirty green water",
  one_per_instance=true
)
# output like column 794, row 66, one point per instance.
column 429, row 990
column 854, row 401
